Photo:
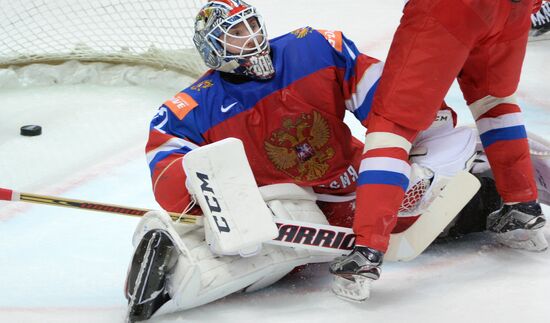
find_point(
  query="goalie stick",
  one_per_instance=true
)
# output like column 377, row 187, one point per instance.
column 403, row 246
column 10, row 195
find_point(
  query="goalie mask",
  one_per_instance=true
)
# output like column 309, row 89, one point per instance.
column 231, row 37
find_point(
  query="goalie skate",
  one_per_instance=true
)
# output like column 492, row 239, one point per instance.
column 145, row 286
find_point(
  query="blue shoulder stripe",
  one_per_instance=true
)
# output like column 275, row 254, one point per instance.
column 163, row 154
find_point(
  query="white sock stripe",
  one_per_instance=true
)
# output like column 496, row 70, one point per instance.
column 503, row 121
column 172, row 144
column 385, row 164
column 376, row 140
column 371, row 76
column 482, row 106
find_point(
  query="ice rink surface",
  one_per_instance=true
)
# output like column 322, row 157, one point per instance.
column 62, row 265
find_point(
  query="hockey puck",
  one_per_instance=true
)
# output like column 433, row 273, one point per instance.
column 31, row 130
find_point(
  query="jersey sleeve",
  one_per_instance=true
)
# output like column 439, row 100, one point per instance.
column 170, row 138
column 359, row 74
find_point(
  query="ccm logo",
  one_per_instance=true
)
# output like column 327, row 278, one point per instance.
column 213, row 203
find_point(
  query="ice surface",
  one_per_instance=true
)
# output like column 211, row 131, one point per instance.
column 62, row 265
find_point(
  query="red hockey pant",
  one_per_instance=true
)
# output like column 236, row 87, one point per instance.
column 480, row 42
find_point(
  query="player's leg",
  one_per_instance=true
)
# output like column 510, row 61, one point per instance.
column 489, row 80
column 427, row 53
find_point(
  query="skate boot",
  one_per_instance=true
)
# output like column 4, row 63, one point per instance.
column 146, row 282
column 540, row 23
column 355, row 272
column 526, row 216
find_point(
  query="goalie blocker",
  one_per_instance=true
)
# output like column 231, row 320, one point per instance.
column 221, row 181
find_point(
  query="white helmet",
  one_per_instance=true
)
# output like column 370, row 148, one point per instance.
column 231, row 37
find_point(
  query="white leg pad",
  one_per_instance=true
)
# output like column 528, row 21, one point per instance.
column 444, row 151
column 448, row 152
column 200, row 276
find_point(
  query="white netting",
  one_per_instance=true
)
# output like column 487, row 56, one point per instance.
column 414, row 195
column 151, row 32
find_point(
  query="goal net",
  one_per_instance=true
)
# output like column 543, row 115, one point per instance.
column 148, row 32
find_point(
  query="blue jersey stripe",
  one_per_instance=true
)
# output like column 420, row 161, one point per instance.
column 509, row 133
column 350, row 61
column 383, row 177
column 166, row 121
column 163, row 154
column 363, row 111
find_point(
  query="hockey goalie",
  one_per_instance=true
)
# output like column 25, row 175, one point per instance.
column 261, row 137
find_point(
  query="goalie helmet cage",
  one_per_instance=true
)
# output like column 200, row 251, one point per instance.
column 157, row 33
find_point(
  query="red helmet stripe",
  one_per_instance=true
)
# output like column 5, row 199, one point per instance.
column 227, row 2
column 236, row 10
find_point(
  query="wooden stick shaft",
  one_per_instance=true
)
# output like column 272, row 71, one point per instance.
column 10, row 195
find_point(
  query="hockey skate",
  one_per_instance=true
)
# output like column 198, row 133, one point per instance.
column 355, row 272
column 526, row 216
column 145, row 285
column 540, row 23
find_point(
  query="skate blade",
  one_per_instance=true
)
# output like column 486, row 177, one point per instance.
column 530, row 240
column 357, row 290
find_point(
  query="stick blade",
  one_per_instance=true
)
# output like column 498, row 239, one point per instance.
column 410, row 243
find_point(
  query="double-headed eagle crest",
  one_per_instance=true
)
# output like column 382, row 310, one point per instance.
column 301, row 32
column 202, row 85
column 299, row 148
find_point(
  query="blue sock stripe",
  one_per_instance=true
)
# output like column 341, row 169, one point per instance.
column 383, row 177
column 510, row 133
